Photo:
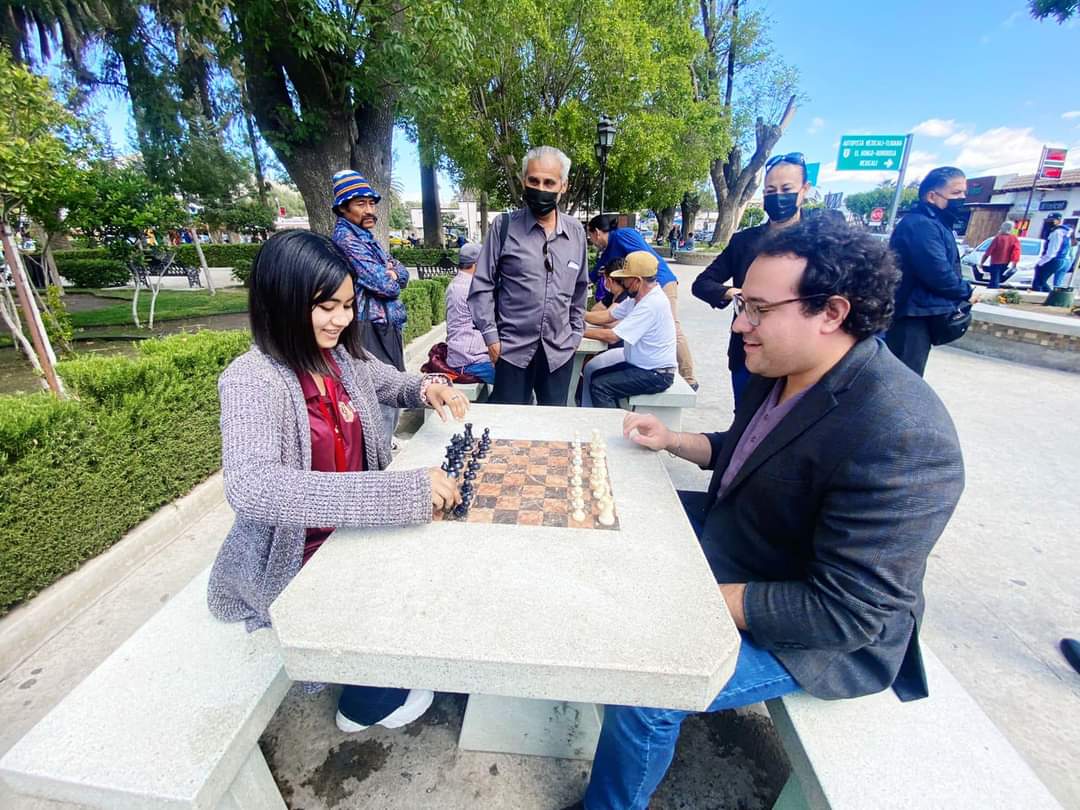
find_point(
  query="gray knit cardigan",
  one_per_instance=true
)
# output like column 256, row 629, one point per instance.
column 266, row 456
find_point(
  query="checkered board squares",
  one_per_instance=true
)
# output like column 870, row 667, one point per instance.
column 527, row 483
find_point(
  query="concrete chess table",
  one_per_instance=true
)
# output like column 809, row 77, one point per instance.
column 535, row 623
column 586, row 349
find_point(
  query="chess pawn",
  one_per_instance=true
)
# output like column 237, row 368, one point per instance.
column 607, row 511
column 575, row 481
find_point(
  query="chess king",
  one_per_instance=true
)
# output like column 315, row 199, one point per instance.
column 307, row 390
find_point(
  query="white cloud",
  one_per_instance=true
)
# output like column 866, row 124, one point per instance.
column 1001, row 150
column 818, row 124
column 1071, row 114
column 935, row 128
column 957, row 138
column 1010, row 21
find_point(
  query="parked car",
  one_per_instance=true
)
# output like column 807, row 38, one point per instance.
column 1030, row 250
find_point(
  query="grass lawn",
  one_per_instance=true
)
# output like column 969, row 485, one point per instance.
column 171, row 305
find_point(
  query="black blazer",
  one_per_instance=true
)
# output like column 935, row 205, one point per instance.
column 729, row 269
column 831, row 519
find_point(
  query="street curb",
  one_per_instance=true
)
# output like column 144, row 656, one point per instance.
column 29, row 626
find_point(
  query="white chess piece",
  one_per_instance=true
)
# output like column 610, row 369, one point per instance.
column 607, row 511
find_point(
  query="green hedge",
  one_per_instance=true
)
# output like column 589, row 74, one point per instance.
column 76, row 476
column 95, row 273
column 428, row 257
column 239, row 257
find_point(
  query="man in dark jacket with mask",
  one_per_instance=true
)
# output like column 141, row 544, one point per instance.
column 930, row 284
column 785, row 189
column 528, row 294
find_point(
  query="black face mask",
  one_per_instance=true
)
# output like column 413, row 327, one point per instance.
column 782, row 207
column 540, row 202
column 953, row 209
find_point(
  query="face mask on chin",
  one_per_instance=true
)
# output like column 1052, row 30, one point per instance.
column 540, row 202
column 781, row 206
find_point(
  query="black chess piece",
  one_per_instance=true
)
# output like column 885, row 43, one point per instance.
column 460, row 511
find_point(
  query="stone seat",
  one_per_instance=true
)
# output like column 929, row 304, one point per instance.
column 667, row 406
column 876, row 752
column 171, row 719
column 476, row 392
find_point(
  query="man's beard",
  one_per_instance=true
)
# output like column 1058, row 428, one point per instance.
column 369, row 221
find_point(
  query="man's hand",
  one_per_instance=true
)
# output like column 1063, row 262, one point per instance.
column 495, row 351
column 392, row 273
column 976, row 296
column 441, row 396
column 733, row 598
column 648, row 431
column 731, row 292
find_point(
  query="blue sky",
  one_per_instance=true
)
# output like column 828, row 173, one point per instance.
column 982, row 86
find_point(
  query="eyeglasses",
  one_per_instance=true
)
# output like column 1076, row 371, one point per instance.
column 754, row 310
column 798, row 158
column 547, row 259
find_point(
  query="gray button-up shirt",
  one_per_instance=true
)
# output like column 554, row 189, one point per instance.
column 523, row 305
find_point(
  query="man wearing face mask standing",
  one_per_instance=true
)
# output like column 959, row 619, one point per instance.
column 930, row 281
column 528, row 293
column 784, row 191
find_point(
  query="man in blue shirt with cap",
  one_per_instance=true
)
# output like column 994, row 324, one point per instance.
column 616, row 243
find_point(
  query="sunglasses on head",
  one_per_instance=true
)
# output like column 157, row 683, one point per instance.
column 798, row 158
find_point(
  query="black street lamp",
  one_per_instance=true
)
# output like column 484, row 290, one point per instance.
column 605, row 139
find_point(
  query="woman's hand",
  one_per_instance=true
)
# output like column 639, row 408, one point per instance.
column 444, row 490
column 441, row 396
column 731, row 292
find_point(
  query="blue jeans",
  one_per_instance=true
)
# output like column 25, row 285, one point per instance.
column 609, row 385
column 1058, row 268
column 637, row 744
column 484, row 370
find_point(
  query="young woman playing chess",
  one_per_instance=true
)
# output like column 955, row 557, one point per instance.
column 303, row 448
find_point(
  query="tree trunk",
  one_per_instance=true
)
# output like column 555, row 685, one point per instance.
column 39, row 338
column 253, row 145
column 690, row 205
column 483, row 215
column 373, row 155
column 202, row 263
column 429, row 196
column 665, row 218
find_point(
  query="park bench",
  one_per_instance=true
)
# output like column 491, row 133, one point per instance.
column 667, row 406
column 164, row 266
column 444, row 267
column 876, row 752
column 171, row 719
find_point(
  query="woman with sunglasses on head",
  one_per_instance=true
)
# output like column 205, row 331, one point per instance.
column 304, row 449
column 784, row 190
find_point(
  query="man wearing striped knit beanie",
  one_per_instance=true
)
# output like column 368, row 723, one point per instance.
column 378, row 277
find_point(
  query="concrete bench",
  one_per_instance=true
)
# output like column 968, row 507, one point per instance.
column 476, row 392
column 667, row 406
column 171, row 719
column 876, row 752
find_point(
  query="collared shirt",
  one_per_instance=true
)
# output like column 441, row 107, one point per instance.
column 521, row 304
column 371, row 266
column 337, row 437
column 1057, row 246
column 768, row 416
column 622, row 242
column 464, row 343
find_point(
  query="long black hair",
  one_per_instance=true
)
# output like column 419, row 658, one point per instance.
column 294, row 272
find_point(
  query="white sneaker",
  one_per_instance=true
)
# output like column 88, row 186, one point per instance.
column 416, row 703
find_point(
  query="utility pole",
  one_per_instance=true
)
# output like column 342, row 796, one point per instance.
column 1031, row 193
column 899, row 183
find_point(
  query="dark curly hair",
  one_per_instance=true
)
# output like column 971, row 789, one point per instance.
column 844, row 261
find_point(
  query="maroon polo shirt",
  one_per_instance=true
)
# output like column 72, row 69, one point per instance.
column 337, row 437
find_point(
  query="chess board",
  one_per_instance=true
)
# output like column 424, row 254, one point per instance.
column 524, row 482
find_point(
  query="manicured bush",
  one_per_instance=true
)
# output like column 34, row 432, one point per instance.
column 76, row 476
column 427, row 257
column 417, row 300
column 240, row 257
column 437, row 288
column 91, row 268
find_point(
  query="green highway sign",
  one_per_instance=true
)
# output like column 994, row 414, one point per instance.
column 870, row 153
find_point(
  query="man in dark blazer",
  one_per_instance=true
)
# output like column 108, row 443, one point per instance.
column 837, row 477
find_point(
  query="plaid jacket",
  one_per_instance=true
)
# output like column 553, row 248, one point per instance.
column 370, row 265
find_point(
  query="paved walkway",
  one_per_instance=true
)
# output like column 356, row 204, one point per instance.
column 1001, row 590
